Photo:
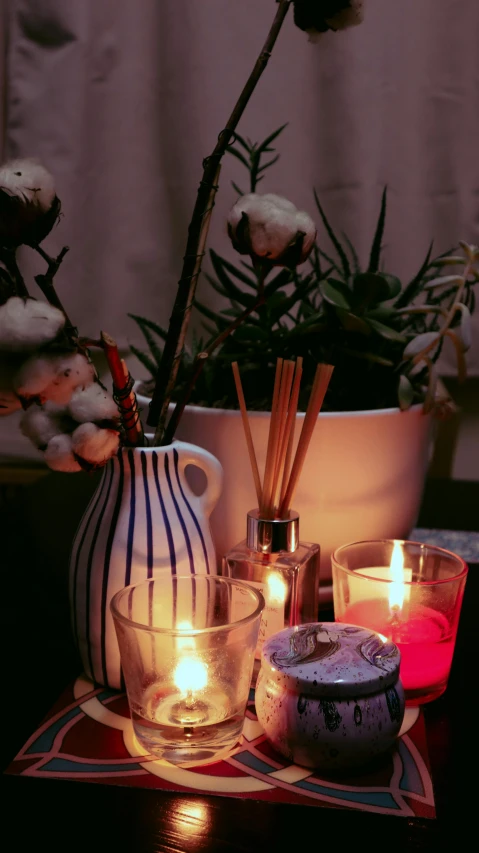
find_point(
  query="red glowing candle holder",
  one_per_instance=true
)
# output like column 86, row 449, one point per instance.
column 411, row 594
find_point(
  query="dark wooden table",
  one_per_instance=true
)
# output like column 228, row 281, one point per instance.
column 39, row 660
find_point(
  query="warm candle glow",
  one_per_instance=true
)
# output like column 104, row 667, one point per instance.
column 191, row 675
column 277, row 589
column 186, row 642
column 396, row 570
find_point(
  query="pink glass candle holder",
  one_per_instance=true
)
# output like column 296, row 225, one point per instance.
column 411, row 594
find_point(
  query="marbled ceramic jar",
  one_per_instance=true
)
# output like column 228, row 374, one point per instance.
column 329, row 696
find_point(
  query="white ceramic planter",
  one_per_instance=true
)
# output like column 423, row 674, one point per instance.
column 363, row 477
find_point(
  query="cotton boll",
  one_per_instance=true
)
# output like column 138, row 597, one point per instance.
column 318, row 16
column 53, row 377
column 95, row 445
column 59, row 454
column 34, row 375
column 269, row 227
column 26, row 324
column 29, row 180
column 92, row 403
column 72, row 371
column 29, row 206
column 41, row 423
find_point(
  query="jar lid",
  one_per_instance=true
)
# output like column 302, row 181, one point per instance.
column 331, row 659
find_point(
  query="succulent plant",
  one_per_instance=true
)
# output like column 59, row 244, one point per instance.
column 383, row 337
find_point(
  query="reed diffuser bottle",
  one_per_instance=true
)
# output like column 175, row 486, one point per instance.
column 272, row 558
column 286, row 571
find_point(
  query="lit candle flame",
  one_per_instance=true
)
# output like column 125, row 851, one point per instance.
column 396, row 587
column 191, row 675
column 276, row 589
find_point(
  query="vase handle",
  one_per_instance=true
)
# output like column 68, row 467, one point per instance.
column 190, row 454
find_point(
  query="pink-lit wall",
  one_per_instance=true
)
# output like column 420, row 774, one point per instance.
column 123, row 99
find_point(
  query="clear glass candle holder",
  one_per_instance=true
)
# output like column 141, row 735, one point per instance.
column 410, row 593
column 187, row 651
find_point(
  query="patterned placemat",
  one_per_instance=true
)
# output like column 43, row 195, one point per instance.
column 88, row 737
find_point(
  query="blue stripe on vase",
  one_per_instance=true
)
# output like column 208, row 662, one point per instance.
column 106, row 566
column 131, row 521
column 90, row 511
column 89, row 571
column 169, row 537
column 180, row 517
column 187, row 539
column 149, row 526
column 193, row 516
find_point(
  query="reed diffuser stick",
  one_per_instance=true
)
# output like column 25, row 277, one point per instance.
column 247, row 432
column 271, row 449
column 288, row 371
column 288, row 443
column 320, row 386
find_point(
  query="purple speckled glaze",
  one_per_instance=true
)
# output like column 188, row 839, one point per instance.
column 329, row 695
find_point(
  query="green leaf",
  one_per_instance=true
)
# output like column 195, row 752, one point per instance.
column 394, row 284
column 220, row 321
column 145, row 327
column 145, row 360
column 269, row 139
column 233, row 291
column 369, row 356
column 238, row 156
column 414, row 285
column 335, row 293
column 383, row 314
column 239, row 274
column 143, row 321
column 405, row 393
column 248, row 332
column 442, row 280
column 242, row 142
column 369, row 288
column 352, row 323
column 281, row 280
column 421, row 342
column 236, row 188
column 353, row 253
column 451, row 260
column 386, row 331
column 334, row 240
column 268, row 164
column 375, row 255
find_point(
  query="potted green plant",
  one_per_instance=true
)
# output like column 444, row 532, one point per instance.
column 370, row 452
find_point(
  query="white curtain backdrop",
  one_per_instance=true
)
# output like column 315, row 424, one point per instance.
column 122, row 100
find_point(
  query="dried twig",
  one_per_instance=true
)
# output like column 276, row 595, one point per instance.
column 197, row 234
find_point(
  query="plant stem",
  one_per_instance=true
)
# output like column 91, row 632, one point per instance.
column 45, row 283
column 201, row 359
column 197, row 235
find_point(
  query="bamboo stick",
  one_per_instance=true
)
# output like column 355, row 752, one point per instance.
column 271, row 449
column 320, row 386
column 247, row 432
column 288, row 372
column 287, row 450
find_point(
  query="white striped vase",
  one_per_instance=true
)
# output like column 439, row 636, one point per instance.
column 143, row 518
